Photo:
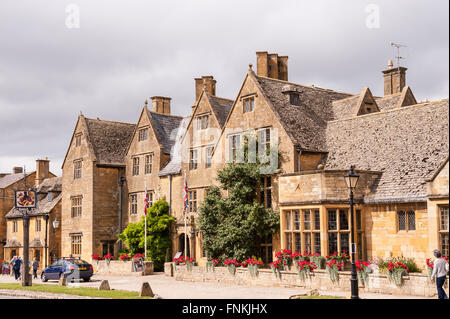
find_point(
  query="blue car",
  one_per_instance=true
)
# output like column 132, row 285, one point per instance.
column 69, row 268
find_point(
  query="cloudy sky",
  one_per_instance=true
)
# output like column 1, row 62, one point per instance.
column 108, row 59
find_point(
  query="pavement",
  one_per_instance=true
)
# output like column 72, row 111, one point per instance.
column 169, row 288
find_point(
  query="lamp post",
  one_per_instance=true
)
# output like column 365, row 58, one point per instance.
column 55, row 225
column 351, row 179
column 45, row 217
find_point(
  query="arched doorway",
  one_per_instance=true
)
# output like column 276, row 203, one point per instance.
column 181, row 245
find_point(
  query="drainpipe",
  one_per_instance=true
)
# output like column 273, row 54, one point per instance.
column 121, row 181
column 170, row 195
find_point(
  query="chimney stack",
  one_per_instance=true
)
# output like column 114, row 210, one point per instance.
column 161, row 104
column 394, row 79
column 209, row 82
column 17, row 170
column 42, row 170
column 272, row 65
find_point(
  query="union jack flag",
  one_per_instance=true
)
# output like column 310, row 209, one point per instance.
column 185, row 194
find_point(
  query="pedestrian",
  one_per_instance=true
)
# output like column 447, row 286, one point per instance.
column 35, row 266
column 440, row 271
column 11, row 265
column 16, row 267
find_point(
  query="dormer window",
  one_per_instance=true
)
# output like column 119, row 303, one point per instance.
column 294, row 98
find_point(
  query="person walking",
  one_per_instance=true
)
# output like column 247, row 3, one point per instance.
column 440, row 271
column 35, row 266
column 11, row 265
column 16, row 267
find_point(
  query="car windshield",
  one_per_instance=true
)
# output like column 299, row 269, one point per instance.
column 78, row 261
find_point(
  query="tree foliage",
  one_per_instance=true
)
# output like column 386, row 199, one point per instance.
column 158, row 240
column 234, row 226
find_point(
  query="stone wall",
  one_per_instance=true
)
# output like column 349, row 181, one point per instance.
column 119, row 267
column 414, row 284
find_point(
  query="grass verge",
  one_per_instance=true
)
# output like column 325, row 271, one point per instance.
column 79, row 291
column 321, row 297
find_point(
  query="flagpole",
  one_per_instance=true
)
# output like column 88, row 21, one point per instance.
column 145, row 214
column 185, row 219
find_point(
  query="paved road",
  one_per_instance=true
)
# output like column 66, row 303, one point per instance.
column 169, row 288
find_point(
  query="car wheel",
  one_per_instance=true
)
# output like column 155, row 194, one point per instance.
column 44, row 278
column 86, row 279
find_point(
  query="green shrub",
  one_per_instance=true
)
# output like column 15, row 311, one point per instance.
column 383, row 264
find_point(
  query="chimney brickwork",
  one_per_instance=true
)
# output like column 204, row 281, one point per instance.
column 161, row 104
column 272, row 65
column 42, row 170
column 394, row 79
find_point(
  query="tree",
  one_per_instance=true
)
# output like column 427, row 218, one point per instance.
column 158, row 240
column 235, row 226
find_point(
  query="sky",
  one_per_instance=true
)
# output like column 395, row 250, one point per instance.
column 105, row 58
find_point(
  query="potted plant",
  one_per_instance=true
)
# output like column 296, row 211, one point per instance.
column 396, row 270
column 96, row 257
column 285, row 257
column 253, row 266
column 362, row 271
column 305, row 269
column 276, row 267
column 108, row 258
column 125, row 257
column 333, row 266
column 231, row 265
column 211, row 264
column 190, row 263
column 318, row 260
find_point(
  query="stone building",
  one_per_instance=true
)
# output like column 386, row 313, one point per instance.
column 91, row 193
column 44, row 230
column 398, row 146
column 9, row 183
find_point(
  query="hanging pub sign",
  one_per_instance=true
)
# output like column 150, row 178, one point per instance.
column 24, row 199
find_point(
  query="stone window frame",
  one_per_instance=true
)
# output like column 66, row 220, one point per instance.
column 338, row 231
column 76, row 244
column 76, row 206
column 148, row 165
column 77, row 168
column 143, row 134
column 264, row 138
column 265, row 191
column 135, row 165
column 407, row 216
column 294, row 229
column 193, row 159
column 208, row 156
column 150, row 198
column 133, row 200
column 202, row 122
column 443, row 233
column 234, row 141
column 248, row 104
column 78, row 139
column 294, row 98
column 15, row 226
column 38, row 225
column 192, row 201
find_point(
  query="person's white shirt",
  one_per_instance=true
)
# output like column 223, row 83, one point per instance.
column 440, row 268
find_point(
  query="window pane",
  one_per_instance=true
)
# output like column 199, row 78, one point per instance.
column 345, row 242
column 307, row 219
column 444, row 217
column 287, row 216
column 296, row 220
column 317, row 243
column 308, row 242
column 411, row 221
column 401, row 221
column 343, row 219
column 444, row 245
column 359, row 244
column 332, row 243
column 332, row 222
column 316, row 220
column 298, row 241
column 289, row 241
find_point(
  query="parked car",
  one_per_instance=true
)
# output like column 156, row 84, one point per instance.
column 69, row 268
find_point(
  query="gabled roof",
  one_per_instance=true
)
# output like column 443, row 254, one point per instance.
column 43, row 207
column 221, row 108
column 406, row 144
column 354, row 105
column 174, row 165
column 306, row 123
column 50, row 185
column 392, row 101
column 109, row 140
column 166, row 128
column 10, row 179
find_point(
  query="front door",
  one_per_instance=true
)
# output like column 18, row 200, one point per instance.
column 181, row 245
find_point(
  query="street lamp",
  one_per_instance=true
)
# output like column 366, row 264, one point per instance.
column 351, row 179
column 45, row 217
column 55, row 224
